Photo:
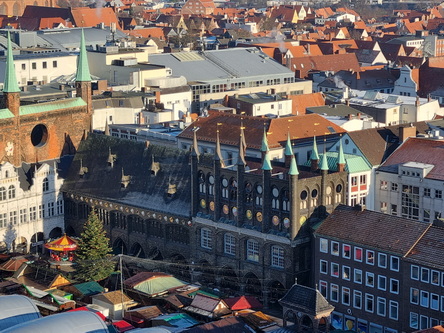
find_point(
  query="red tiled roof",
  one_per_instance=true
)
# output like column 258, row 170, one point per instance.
column 299, row 127
column 147, row 33
column 90, row 17
column 330, row 62
column 302, row 102
column 422, row 150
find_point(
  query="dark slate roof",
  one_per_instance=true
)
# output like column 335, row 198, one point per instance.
column 372, row 229
column 135, row 159
column 306, row 299
column 429, row 249
column 378, row 143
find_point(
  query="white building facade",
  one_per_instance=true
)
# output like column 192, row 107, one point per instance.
column 31, row 206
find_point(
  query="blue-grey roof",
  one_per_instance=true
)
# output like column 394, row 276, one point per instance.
column 70, row 38
column 145, row 189
column 221, row 64
column 16, row 309
column 67, row 322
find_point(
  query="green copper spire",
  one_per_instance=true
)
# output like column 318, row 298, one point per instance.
column 83, row 74
column 314, row 153
column 10, row 85
column 264, row 146
column 288, row 150
column 324, row 163
column 266, row 164
column 293, row 167
column 341, row 154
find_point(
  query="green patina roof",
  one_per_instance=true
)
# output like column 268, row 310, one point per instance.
column 11, row 84
column 5, row 114
column 266, row 164
column 158, row 285
column 324, row 163
column 82, row 63
column 264, row 146
column 293, row 168
column 288, row 149
column 353, row 163
column 206, row 293
column 89, row 288
column 51, row 106
column 314, row 153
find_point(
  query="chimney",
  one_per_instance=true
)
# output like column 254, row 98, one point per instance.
column 62, row 87
column 141, row 118
column 417, row 102
column 406, row 132
column 157, row 94
column 359, row 115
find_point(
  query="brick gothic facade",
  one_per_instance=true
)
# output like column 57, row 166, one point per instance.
column 44, row 131
column 17, row 7
column 248, row 230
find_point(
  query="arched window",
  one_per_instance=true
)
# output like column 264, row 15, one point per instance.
column 285, row 201
column 233, row 189
column 2, row 193
column 248, row 193
column 211, row 184
column 201, row 183
column 303, row 202
column 45, row 185
column 252, row 250
column 275, row 198
column 277, row 256
column 6, row 174
column 11, row 192
column 224, row 183
column 314, row 197
column 259, row 191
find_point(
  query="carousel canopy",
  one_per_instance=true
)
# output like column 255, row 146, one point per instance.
column 64, row 243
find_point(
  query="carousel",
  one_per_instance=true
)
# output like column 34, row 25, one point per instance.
column 61, row 251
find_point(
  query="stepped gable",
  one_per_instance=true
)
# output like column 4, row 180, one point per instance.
column 144, row 187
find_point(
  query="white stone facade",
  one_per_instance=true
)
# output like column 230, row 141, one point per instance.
column 31, row 205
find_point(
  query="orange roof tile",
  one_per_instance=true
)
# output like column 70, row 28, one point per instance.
column 301, row 127
column 302, row 102
column 90, row 17
column 147, row 33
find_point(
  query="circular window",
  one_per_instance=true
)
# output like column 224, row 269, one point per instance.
column 304, row 195
column 314, row 193
column 338, row 188
column 346, row 141
column 328, row 190
column 211, row 180
column 275, row 192
column 39, row 135
column 259, row 189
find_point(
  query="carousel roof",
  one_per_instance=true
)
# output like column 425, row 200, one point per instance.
column 64, row 243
